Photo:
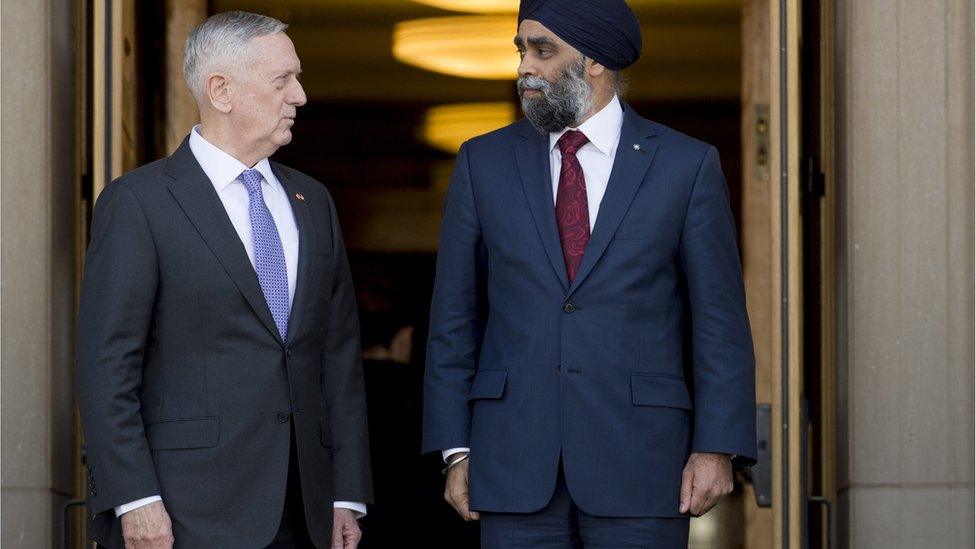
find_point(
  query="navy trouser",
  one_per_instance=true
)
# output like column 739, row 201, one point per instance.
column 563, row 525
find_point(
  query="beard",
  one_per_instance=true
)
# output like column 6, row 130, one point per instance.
column 559, row 103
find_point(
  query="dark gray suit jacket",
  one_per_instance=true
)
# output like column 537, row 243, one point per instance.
column 185, row 387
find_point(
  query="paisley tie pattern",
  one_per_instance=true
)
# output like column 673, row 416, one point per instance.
column 572, row 209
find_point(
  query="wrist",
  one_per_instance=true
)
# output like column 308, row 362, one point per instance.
column 454, row 460
column 448, row 452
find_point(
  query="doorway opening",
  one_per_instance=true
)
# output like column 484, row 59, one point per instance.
column 381, row 133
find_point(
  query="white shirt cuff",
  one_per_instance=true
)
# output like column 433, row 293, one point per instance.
column 358, row 509
column 133, row 505
column 448, row 453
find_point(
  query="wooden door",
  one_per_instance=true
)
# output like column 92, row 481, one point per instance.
column 772, row 263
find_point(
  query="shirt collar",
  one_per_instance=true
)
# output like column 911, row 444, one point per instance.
column 221, row 168
column 602, row 129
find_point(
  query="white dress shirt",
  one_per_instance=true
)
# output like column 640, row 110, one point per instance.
column 223, row 171
column 595, row 157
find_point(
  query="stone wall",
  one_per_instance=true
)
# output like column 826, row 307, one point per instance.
column 905, row 273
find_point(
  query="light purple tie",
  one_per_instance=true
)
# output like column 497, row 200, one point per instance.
column 269, row 256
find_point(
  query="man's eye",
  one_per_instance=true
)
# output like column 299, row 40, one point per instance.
column 545, row 53
column 521, row 54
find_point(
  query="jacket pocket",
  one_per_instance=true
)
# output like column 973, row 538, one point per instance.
column 325, row 432
column 659, row 390
column 488, row 384
column 177, row 434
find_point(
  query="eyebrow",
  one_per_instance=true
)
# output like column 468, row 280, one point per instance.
column 287, row 72
column 535, row 41
column 541, row 41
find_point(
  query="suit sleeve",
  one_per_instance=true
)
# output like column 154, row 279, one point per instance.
column 115, row 311
column 455, row 334
column 342, row 382
column 723, row 362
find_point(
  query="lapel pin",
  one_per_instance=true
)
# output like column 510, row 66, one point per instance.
column 637, row 147
column 300, row 196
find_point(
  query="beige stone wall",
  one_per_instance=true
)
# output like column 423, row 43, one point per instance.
column 905, row 258
column 38, row 188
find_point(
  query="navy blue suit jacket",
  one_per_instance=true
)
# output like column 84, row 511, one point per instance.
column 646, row 357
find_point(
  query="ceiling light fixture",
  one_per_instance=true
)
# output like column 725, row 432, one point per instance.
column 469, row 46
column 474, row 6
column 446, row 127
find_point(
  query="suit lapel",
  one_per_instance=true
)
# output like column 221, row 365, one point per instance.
column 300, row 210
column 532, row 156
column 196, row 196
column 630, row 165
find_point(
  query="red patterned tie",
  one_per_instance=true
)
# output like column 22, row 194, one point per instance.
column 572, row 210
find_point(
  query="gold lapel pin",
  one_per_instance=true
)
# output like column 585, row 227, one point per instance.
column 300, row 196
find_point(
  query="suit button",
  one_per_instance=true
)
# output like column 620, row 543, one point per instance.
column 569, row 307
column 287, row 351
column 282, row 417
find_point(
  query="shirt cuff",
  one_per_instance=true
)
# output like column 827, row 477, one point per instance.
column 450, row 452
column 358, row 509
column 133, row 505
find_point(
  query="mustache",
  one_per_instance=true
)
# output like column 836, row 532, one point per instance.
column 533, row 83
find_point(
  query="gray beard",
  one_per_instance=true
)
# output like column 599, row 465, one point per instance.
column 560, row 103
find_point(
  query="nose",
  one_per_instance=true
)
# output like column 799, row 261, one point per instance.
column 526, row 68
column 297, row 96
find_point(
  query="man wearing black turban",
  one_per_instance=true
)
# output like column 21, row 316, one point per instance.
column 581, row 249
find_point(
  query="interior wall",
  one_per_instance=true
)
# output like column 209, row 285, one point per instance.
column 905, row 259
column 38, row 187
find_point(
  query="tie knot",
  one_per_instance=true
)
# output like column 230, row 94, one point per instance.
column 571, row 141
column 252, row 180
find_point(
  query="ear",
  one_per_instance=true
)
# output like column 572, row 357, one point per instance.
column 218, row 92
column 594, row 69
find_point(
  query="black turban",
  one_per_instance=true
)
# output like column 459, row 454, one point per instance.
column 606, row 31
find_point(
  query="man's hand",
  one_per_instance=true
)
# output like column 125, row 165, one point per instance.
column 456, row 491
column 147, row 527
column 706, row 478
column 345, row 529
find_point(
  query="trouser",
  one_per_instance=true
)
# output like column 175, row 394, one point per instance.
column 563, row 525
column 293, row 530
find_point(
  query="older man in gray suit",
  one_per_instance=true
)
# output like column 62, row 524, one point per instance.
column 219, row 376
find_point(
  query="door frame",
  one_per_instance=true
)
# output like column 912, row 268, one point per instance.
column 795, row 490
column 772, row 225
column 774, row 183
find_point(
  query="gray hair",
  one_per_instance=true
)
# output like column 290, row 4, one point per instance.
column 219, row 37
column 621, row 83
